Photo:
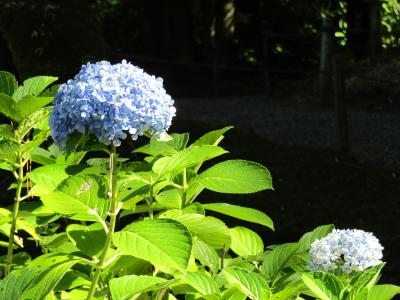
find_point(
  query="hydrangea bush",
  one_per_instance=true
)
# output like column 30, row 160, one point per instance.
column 112, row 228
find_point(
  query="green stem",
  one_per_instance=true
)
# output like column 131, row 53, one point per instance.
column 150, row 201
column 113, row 218
column 20, row 182
column 184, row 188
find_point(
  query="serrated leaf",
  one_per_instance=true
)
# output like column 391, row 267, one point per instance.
column 6, row 131
column 165, row 243
column 30, row 104
column 202, row 283
column 212, row 137
column 277, row 259
column 7, row 107
column 236, row 177
column 250, row 283
column 206, row 255
column 233, row 293
column 9, row 150
column 72, row 279
column 245, row 242
column 81, row 198
column 33, row 86
column 179, row 141
column 308, row 238
column 240, row 212
column 186, row 158
column 209, row 229
column 126, row 287
column 169, row 198
column 46, row 281
column 50, row 176
column 365, row 279
column 17, row 282
column 323, row 285
column 383, row 292
column 42, row 156
column 156, row 148
column 89, row 239
column 8, row 83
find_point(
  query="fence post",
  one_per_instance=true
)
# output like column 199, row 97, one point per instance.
column 325, row 59
column 340, row 109
column 267, row 75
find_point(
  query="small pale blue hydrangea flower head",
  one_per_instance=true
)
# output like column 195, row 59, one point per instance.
column 351, row 250
column 111, row 101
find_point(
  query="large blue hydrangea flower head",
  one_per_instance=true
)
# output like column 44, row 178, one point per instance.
column 351, row 250
column 111, row 101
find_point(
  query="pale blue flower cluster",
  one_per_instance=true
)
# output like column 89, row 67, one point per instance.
column 111, row 101
column 351, row 250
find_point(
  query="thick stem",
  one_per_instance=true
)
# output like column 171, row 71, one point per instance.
column 17, row 200
column 113, row 218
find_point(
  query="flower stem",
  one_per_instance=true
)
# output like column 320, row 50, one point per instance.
column 184, row 188
column 17, row 200
column 113, row 218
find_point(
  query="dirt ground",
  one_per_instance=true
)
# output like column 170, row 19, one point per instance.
column 314, row 187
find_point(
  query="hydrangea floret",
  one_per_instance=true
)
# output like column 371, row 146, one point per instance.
column 348, row 249
column 111, row 101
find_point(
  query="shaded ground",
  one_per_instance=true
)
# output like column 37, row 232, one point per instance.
column 315, row 187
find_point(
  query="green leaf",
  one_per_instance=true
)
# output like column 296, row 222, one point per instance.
column 278, row 258
column 206, row 255
column 323, row 285
column 33, row 86
column 165, row 243
column 250, row 283
column 42, row 156
column 236, row 177
column 30, row 104
column 82, row 198
column 240, row 212
column 49, row 176
column 39, row 119
column 169, row 198
column 9, row 150
column 209, row 229
column 47, row 280
column 179, row 141
column 89, row 239
column 233, row 293
column 126, row 287
column 186, row 158
column 365, row 279
column 156, row 148
column 72, row 279
column 202, row 283
column 212, row 137
column 383, row 292
column 246, row 242
column 7, row 107
column 17, row 282
column 6, row 131
column 8, row 83
column 318, row 233
column 51, row 91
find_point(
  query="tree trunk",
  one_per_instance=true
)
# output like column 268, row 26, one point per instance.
column 325, row 65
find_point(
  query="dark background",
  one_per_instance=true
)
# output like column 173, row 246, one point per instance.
column 279, row 51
